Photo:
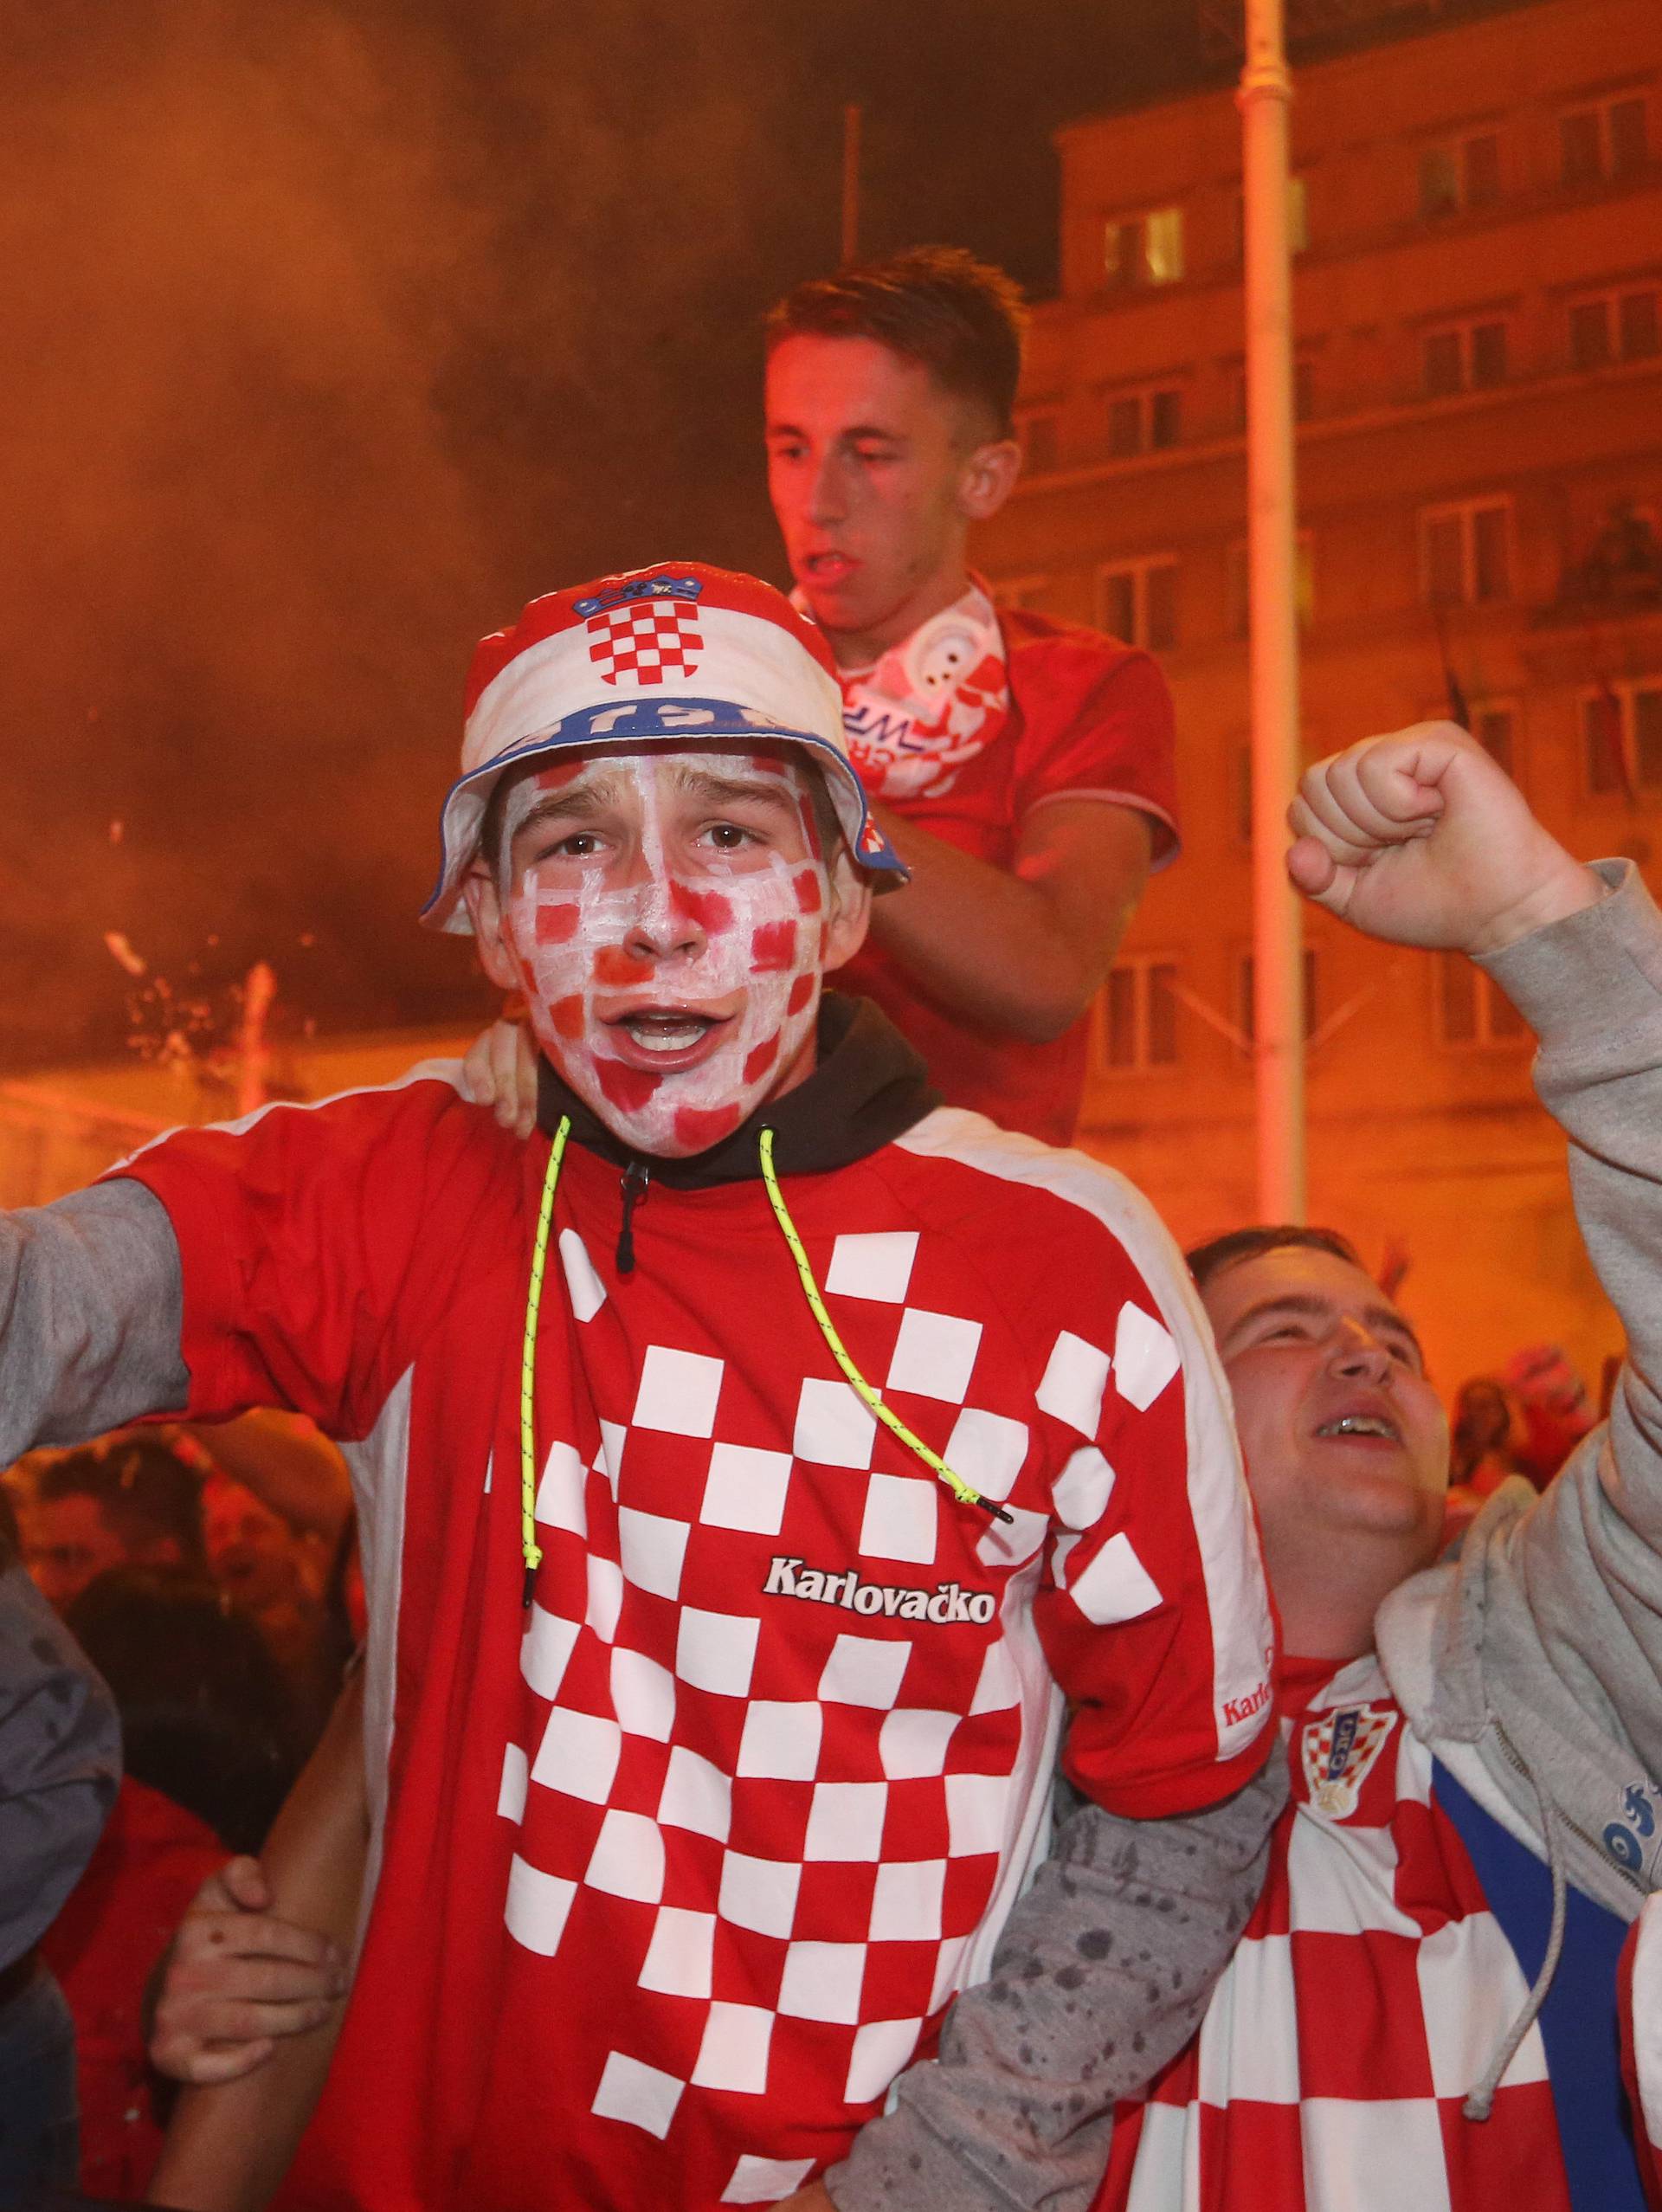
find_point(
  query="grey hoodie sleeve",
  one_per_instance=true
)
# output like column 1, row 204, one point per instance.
column 1102, row 1974
column 92, row 1302
column 1572, row 1590
column 60, row 1762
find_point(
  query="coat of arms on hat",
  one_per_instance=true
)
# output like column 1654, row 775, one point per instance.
column 1339, row 1751
column 645, row 639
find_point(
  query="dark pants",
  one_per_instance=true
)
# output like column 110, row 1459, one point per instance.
column 39, row 2136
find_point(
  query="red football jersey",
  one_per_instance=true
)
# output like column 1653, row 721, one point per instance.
column 1361, row 2005
column 680, row 1867
column 1089, row 719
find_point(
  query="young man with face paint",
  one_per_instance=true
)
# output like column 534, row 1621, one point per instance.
column 752, row 1468
column 672, row 964
column 1022, row 767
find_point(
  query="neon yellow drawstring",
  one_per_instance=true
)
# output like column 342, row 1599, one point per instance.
column 531, row 1550
column 868, row 1397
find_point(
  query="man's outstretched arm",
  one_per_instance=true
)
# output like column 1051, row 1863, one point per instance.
column 91, row 1307
column 1023, row 949
column 1420, row 839
column 1103, row 1973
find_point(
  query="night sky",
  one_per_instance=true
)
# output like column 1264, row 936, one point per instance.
column 334, row 334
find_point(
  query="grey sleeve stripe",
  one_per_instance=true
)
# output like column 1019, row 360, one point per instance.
column 92, row 1304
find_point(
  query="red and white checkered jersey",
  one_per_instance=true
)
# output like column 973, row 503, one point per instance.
column 681, row 1866
column 1368, row 1995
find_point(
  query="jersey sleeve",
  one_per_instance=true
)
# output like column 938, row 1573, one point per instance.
column 319, row 1243
column 1097, row 724
column 1152, row 1606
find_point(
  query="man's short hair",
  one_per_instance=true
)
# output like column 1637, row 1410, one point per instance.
column 963, row 318
column 145, row 1491
column 1208, row 1260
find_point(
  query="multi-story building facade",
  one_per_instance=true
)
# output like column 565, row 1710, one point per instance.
column 1477, row 210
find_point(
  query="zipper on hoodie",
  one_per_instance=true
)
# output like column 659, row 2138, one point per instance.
column 636, row 1177
column 1514, row 1759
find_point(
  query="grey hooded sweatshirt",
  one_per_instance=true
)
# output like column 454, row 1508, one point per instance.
column 1530, row 1666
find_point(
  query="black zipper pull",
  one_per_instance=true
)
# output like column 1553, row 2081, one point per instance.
column 636, row 1177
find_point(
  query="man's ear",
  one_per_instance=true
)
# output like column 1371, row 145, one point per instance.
column 850, row 910
column 484, row 903
column 988, row 478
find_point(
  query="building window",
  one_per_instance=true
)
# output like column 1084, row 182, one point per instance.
column 1238, row 584
column 1466, row 553
column 1028, row 593
column 1040, row 439
column 1459, row 174
column 1471, row 1009
column 1144, row 248
column 1495, row 729
column 1245, row 1008
column 1467, row 356
column 1145, row 421
column 1616, row 326
column 1138, row 600
column 1606, row 140
column 1137, row 1015
column 1621, row 738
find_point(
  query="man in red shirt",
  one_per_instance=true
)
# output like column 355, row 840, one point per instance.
column 1021, row 767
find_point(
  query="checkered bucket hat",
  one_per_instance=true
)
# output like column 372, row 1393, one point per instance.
column 662, row 656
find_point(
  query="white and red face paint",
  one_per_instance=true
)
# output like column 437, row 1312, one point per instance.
column 666, row 915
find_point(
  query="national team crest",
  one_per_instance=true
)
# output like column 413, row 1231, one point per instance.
column 1339, row 1751
column 645, row 640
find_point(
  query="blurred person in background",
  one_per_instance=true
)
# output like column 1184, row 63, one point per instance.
column 289, row 1465
column 1486, row 1431
column 60, row 1762
column 210, row 1744
column 1556, row 1410
column 277, row 1572
column 281, row 1542
column 126, row 1501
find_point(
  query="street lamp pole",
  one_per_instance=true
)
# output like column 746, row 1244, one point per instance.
column 1265, row 95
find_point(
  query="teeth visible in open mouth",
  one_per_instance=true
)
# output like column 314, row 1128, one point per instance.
column 654, row 1035
column 1358, row 1424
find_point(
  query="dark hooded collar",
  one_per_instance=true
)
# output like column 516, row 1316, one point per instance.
column 868, row 1087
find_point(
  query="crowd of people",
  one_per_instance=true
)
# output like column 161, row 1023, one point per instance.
column 694, row 1613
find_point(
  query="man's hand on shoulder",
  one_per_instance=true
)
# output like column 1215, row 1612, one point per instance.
column 500, row 1072
column 236, row 1977
column 1421, row 839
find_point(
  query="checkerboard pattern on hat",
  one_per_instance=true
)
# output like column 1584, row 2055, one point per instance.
column 682, row 654
column 645, row 640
